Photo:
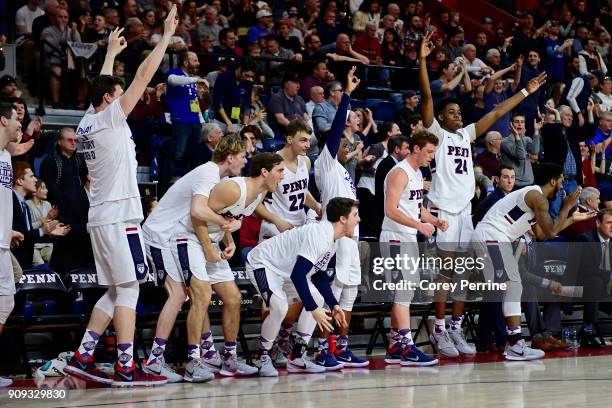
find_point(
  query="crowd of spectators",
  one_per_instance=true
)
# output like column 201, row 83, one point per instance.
column 249, row 68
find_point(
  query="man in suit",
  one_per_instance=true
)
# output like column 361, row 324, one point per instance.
column 593, row 267
column 25, row 183
column 397, row 147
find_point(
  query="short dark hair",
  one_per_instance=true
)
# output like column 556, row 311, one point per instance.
column 102, row 85
column 505, row 167
column 515, row 114
column 442, row 104
column 422, row 138
column 182, row 57
column 329, row 87
column 384, row 129
column 224, row 32
column 546, row 172
column 601, row 214
column 264, row 160
column 6, row 110
column 396, row 141
column 247, row 64
column 414, row 119
column 339, row 207
column 296, row 126
column 19, row 169
column 251, row 129
column 270, row 37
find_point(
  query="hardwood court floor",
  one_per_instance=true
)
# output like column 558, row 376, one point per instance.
column 563, row 379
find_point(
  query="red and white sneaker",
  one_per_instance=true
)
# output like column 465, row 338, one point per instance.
column 86, row 369
column 135, row 377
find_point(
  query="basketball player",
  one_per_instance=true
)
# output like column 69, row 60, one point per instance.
column 310, row 246
column 509, row 219
column 115, row 214
column 286, row 205
column 187, row 196
column 10, row 132
column 404, row 217
column 333, row 180
column 452, row 190
column 196, row 249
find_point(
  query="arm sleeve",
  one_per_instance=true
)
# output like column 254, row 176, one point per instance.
column 298, row 277
column 575, row 89
column 321, row 282
column 533, row 143
column 178, row 80
column 510, row 148
column 335, row 134
column 583, row 65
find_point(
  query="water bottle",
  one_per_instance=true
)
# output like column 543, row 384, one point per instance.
column 565, row 335
column 27, row 308
column 574, row 338
column 77, row 308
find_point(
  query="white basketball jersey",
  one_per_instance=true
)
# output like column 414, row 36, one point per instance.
column 288, row 200
column 6, row 199
column 411, row 199
column 453, row 183
column 176, row 203
column 314, row 241
column 105, row 140
column 511, row 216
column 236, row 210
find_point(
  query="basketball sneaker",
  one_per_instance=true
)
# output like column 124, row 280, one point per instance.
column 326, row 359
column 278, row 356
column 160, row 367
column 413, row 357
column 519, row 351
column 197, row 372
column 298, row 363
column 265, row 366
column 86, row 369
column 232, row 367
column 5, row 382
column 213, row 361
column 129, row 377
column 443, row 343
column 462, row 346
column 348, row 359
column 394, row 353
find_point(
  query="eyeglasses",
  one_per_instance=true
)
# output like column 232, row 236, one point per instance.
column 337, row 90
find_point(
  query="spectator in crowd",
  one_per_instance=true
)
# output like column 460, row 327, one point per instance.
column 506, row 177
column 482, row 45
column 530, row 106
column 495, row 93
column 262, row 28
column 603, row 43
column 447, row 85
column 41, row 212
column 526, row 37
column 211, row 133
column 494, row 59
column 577, row 89
column 111, row 15
column 591, row 61
column 245, row 14
column 328, row 27
column 351, row 153
column 605, row 94
column 279, row 67
column 285, row 39
column 603, row 132
column 209, row 26
column 397, row 149
column 232, row 95
column 515, row 149
column 25, row 17
column 25, row 184
column 409, row 108
column 8, row 88
column 556, row 51
column 588, row 202
column 395, row 11
column 317, row 95
column 45, row 20
column 65, row 175
column 227, row 44
column 368, row 129
column 367, row 44
column 490, row 159
column 454, row 47
column 593, row 262
column 369, row 12
column 259, row 116
column 128, row 9
column 475, row 66
column 391, row 48
column 251, row 137
column 344, row 57
column 286, row 105
column 55, row 50
column 323, row 113
column 312, row 47
column 98, row 32
column 184, row 108
column 589, row 165
column 319, row 76
column 137, row 42
column 414, row 33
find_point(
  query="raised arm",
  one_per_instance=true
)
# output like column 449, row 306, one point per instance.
column 339, row 123
column 490, row 118
column 149, row 66
column 498, row 74
column 427, row 110
column 116, row 44
column 518, row 70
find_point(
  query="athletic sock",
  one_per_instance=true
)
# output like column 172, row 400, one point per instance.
column 88, row 344
column 229, row 349
column 193, row 351
column 455, row 323
column 405, row 336
column 207, row 345
column 323, row 344
column 341, row 344
column 440, row 326
column 513, row 334
column 157, row 351
column 125, row 355
column 283, row 335
column 393, row 337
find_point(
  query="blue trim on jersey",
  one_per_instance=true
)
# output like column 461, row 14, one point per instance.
column 516, row 213
column 140, row 266
column 262, row 285
column 499, row 269
column 183, row 256
column 158, row 265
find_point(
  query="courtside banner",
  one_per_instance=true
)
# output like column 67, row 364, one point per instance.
column 483, row 271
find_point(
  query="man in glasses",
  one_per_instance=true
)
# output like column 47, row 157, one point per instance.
column 324, row 112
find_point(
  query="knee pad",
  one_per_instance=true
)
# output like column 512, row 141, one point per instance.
column 7, row 303
column 107, row 302
column 512, row 298
column 127, row 294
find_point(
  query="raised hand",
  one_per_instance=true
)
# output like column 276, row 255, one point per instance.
column 535, row 84
column 427, row 45
column 171, row 22
column 116, row 43
column 352, row 82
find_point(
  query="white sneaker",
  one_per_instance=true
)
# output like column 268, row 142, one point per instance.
column 461, row 344
column 303, row 365
column 5, row 382
column 265, row 366
column 232, row 367
column 443, row 343
column 214, row 362
column 197, row 372
column 162, row 368
column 521, row 352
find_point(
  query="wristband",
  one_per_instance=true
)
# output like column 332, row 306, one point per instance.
column 525, row 92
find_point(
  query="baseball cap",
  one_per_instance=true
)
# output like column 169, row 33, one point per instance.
column 292, row 77
column 409, row 94
column 263, row 13
column 7, row 80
